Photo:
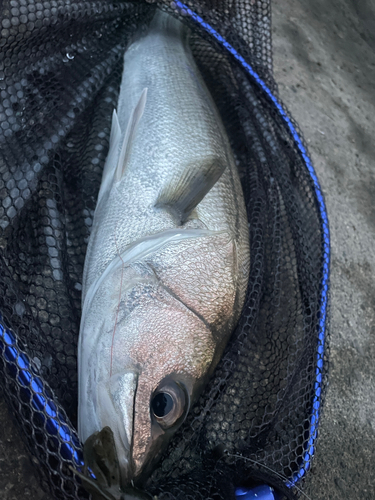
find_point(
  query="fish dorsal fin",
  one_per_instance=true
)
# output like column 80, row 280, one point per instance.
column 182, row 195
column 134, row 119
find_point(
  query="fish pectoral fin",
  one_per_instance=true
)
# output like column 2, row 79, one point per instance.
column 134, row 120
column 114, row 142
column 182, row 195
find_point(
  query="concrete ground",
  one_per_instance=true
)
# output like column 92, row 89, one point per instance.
column 324, row 56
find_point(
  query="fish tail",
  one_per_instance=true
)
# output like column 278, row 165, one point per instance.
column 167, row 24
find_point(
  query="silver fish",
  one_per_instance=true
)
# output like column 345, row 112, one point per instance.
column 167, row 262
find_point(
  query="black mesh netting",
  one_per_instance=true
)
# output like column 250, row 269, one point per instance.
column 60, row 69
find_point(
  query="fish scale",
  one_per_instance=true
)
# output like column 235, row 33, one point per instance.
column 170, row 229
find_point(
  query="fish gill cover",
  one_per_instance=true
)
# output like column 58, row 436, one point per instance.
column 60, row 68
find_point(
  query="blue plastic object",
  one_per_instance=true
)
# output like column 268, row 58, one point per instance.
column 262, row 492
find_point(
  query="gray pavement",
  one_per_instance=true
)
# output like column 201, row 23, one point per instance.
column 324, row 57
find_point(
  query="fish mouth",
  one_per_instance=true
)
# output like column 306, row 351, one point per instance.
column 102, row 475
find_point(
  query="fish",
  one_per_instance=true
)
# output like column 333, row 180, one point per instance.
column 167, row 262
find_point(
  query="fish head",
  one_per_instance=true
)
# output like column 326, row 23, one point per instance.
column 161, row 356
column 143, row 413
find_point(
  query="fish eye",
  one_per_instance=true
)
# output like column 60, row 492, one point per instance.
column 162, row 404
column 168, row 404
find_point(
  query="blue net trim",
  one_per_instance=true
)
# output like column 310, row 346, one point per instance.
column 45, row 407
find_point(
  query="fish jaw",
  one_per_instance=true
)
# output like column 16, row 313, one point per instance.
column 110, row 403
column 115, row 408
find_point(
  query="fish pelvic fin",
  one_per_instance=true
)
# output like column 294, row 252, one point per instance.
column 131, row 129
column 182, row 195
